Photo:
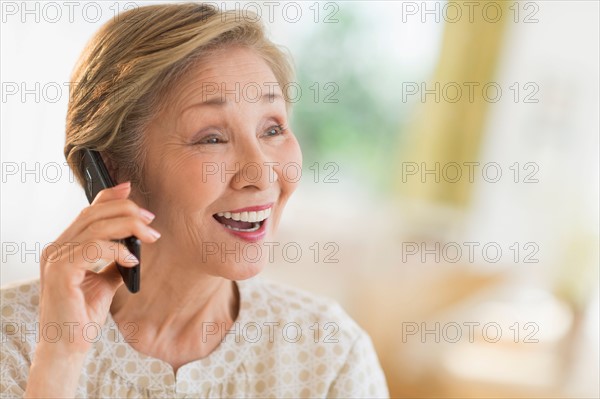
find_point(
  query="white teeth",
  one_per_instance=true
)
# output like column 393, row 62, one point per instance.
column 255, row 227
column 260, row 215
column 254, row 216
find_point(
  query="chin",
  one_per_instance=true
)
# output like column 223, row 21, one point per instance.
column 241, row 271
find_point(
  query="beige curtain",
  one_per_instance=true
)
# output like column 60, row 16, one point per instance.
column 451, row 130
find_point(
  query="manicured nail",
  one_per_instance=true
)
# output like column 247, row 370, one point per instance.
column 154, row 233
column 122, row 186
column 146, row 214
column 130, row 258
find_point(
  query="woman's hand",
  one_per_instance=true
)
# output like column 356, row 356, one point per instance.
column 74, row 300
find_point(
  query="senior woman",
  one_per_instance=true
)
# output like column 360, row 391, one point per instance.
column 179, row 99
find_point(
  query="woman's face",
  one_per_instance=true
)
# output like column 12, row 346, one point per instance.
column 222, row 144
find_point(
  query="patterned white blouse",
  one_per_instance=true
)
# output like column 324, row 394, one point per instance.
column 285, row 343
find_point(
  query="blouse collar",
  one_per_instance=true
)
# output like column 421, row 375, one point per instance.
column 155, row 374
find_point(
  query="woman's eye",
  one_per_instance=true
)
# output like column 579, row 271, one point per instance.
column 275, row 131
column 210, row 140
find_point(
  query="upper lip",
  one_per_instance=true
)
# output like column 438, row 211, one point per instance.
column 255, row 208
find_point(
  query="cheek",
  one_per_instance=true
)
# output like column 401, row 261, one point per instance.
column 289, row 158
column 186, row 183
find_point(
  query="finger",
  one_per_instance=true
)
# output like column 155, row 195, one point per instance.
column 74, row 259
column 88, row 253
column 111, row 275
column 119, row 228
column 106, row 229
column 106, row 210
column 119, row 191
column 117, row 207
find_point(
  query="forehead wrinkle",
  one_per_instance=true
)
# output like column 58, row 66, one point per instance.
column 198, row 94
column 220, row 68
column 224, row 69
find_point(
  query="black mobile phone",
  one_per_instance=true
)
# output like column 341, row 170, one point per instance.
column 97, row 178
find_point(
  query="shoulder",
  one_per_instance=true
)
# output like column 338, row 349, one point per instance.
column 19, row 333
column 20, row 301
column 315, row 340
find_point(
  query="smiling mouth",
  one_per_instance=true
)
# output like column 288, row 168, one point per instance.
column 243, row 221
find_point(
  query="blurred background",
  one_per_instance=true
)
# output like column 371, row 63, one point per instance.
column 449, row 195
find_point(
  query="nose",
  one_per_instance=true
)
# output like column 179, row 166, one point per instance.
column 254, row 169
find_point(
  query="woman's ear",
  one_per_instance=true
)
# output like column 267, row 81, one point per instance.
column 112, row 169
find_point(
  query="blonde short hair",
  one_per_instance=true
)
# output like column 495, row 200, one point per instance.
column 127, row 68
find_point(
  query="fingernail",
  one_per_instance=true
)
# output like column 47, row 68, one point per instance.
column 130, row 258
column 122, row 185
column 154, row 233
column 146, row 214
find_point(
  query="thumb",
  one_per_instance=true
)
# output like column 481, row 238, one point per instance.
column 110, row 274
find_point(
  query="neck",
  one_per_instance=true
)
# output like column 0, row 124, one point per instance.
column 177, row 299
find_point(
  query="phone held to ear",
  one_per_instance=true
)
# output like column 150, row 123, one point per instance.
column 97, row 179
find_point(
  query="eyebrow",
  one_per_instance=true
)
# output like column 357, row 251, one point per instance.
column 220, row 100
